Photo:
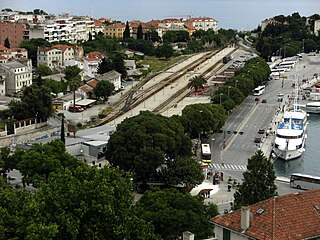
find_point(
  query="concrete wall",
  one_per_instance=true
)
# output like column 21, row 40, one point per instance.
column 28, row 137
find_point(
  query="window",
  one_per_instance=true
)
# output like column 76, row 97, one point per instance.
column 226, row 234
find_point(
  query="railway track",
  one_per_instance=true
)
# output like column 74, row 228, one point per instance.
column 140, row 92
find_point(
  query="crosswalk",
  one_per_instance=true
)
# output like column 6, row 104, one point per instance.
column 229, row 167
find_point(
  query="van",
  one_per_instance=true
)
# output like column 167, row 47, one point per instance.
column 75, row 109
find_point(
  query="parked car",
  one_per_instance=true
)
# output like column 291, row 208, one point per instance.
column 75, row 109
column 261, row 131
column 264, row 101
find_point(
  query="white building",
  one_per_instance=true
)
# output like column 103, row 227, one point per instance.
column 113, row 77
column 56, row 56
column 18, row 76
column 51, row 57
column 316, row 27
column 203, row 23
column 65, row 28
column 2, row 82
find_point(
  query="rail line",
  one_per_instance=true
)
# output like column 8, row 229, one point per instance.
column 138, row 94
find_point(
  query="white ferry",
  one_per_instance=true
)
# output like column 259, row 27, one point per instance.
column 312, row 107
column 291, row 135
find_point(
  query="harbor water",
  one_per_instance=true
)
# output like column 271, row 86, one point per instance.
column 309, row 161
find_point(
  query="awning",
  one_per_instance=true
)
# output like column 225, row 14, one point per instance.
column 85, row 102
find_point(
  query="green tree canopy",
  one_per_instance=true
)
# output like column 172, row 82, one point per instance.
column 36, row 101
column 258, row 183
column 126, row 33
column 43, row 70
column 200, row 118
column 37, row 163
column 103, row 90
column 165, row 51
column 74, row 79
column 7, row 43
column 140, row 32
column 143, row 143
column 197, row 82
column 172, row 212
column 90, row 203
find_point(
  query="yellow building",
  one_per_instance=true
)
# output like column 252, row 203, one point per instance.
column 115, row 30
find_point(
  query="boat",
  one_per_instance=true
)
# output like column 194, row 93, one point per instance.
column 312, row 107
column 291, row 132
column 291, row 135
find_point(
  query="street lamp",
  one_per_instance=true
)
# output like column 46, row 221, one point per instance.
column 220, row 97
column 235, row 84
column 303, row 45
column 229, row 91
column 212, row 140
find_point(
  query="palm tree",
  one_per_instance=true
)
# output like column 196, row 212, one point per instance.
column 197, row 82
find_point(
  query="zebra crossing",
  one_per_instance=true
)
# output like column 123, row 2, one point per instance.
column 229, row 167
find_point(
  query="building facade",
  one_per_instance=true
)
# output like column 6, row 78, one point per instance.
column 17, row 76
column 14, row 31
column 115, row 30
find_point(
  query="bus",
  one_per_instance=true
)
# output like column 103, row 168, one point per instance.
column 205, row 153
column 304, row 181
column 259, row 90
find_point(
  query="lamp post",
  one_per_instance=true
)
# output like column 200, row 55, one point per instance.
column 303, row 45
column 220, row 97
column 212, row 140
column 236, row 83
column 229, row 91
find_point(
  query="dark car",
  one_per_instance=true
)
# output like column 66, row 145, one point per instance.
column 264, row 101
column 257, row 140
column 257, row 99
column 261, row 131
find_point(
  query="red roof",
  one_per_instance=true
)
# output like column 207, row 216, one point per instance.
column 92, row 83
column 62, row 47
column 293, row 216
column 3, row 48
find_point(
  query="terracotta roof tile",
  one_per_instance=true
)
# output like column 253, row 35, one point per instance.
column 292, row 216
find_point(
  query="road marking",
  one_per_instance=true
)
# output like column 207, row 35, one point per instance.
column 229, row 167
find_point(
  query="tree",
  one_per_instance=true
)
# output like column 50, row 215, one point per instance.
column 90, row 36
column 182, row 171
column 62, row 133
column 172, row 212
column 258, row 183
column 43, row 70
column 165, row 51
column 90, row 203
column 126, row 33
column 140, row 32
column 7, row 163
column 200, row 118
column 38, row 102
column 118, row 64
column 37, row 163
column 74, row 79
column 7, row 43
column 197, row 82
column 145, row 142
column 103, row 90
column 105, row 66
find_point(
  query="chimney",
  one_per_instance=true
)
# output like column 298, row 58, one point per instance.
column 187, row 236
column 245, row 218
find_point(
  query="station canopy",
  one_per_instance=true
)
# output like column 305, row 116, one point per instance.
column 85, row 102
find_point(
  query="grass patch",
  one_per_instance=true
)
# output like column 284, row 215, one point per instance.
column 157, row 65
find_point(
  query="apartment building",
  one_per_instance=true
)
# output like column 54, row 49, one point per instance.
column 56, row 56
column 65, row 28
column 17, row 76
column 51, row 57
column 316, row 27
column 294, row 216
column 14, row 31
column 203, row 23
column 115, row 30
